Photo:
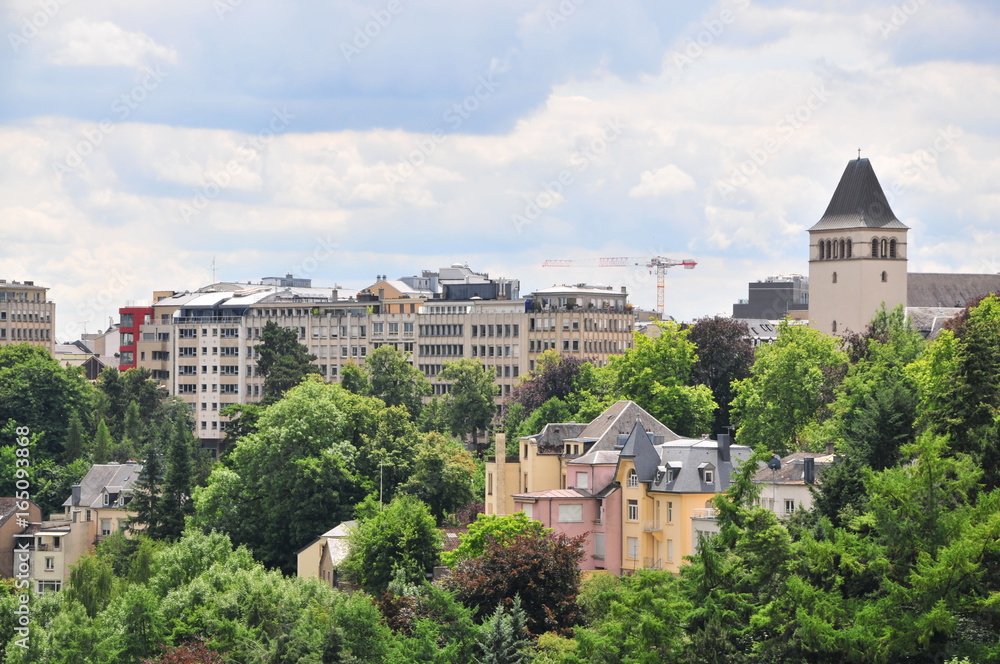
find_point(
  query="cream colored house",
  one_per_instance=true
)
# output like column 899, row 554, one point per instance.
column 322, row 557
column 96, row 508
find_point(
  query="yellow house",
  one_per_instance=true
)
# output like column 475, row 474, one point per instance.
column 635, row 488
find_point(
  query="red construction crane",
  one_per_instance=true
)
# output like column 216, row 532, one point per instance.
column 659, row 263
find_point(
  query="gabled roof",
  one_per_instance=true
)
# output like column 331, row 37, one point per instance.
column 620, row 418
column 792, row 468
column 640, row 449
column 8, row 507
column 112, row 476
column 690, row 458
column 858, row 202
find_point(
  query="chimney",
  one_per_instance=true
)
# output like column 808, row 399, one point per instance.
column 809, row 470
column 75, row 494
column 829, row 447
column 724, row 442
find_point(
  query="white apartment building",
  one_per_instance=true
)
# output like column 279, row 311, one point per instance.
column 25, row 315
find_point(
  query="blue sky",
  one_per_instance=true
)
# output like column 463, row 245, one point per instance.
column 340, row 140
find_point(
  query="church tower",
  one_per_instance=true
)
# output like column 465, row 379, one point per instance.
column 857, row 255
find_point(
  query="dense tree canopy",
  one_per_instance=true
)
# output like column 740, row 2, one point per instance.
column 281, row 360
column 724, row 354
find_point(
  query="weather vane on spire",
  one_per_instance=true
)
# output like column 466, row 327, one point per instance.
column 859, row 153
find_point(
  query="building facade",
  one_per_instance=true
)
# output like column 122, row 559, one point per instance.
column 201, row 345
column 630, row 486
column 26, row 316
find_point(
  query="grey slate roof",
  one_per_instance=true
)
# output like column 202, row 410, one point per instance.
column 550, row 438
column 858, row 202
column 931, row 289
column 791, row 471
column 620, row 418
column 929, row 321
column 120, row 477
column 8, row 507
column 690, row 458
column 640, row 449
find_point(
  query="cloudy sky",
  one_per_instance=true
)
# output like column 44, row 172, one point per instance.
column 339, row 140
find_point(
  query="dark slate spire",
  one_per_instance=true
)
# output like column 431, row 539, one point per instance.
column 859, row 202
column 640, row 449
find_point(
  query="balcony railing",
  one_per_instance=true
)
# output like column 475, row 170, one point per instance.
column 651, row 526
column 706, row 513
column 649, row 563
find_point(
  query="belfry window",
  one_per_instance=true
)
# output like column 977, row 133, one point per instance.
column 848, row 254
column 892, row 248
column 822, row 250
column 874, row 247
column 885, row 248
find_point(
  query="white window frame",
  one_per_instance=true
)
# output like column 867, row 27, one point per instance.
column 632, row 544
column 632, row 510
column 633, row 479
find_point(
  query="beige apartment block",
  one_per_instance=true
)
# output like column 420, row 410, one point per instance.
column 26, row 317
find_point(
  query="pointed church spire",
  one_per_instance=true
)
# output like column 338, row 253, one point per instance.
column 858, row 202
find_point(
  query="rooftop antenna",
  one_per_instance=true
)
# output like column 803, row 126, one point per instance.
column 213, row 265
column 859, row 153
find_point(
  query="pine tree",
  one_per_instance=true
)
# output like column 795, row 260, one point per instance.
column 504, row 637
column 146, row 493
column 175, row 500
column 102, row 443
column 75, row 443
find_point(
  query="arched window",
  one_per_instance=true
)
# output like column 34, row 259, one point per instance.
column 885, row 248
column 834, row 277
column 874, row 247
column 849, row 248
column 842, row 247
column 892, row 248
column 822, row 250
column 834, row 327
column 835, row 254
column 633, row 479
column 885, row 276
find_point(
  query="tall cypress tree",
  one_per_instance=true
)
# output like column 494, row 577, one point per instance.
column 74, row 446
column 102, row 443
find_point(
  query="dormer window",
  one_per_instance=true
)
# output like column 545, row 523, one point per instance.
column 106, row 498
column 709, row 477
column 633, row 479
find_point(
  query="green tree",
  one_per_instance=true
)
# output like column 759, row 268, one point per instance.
column 442, row 477
column 282, row 360
column 353, row 379
column 38, row 393
column 402, row 538
column 656, row 372
column 490, row 527
column 146, row 492
column 102, row 444
column 294, row 477
column 468, row 405
column 76, row 444
column 393, row 379
column 504, row 637
column 91, row 583
column 175, row 503
column 789, row 382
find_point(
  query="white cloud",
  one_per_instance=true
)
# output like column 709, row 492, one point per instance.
column 106, row 44
column 666, row 181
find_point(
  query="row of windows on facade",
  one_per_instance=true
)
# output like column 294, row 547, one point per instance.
column 502, row 371
column 27, row 317
column 30, row 334
column 191, row 388
column 20, row 296
column 843, row 248
column 589, row 325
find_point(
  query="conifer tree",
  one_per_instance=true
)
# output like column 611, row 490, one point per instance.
column 102, row 443
column 175, row 499
column 75, row 445
column 146, row 493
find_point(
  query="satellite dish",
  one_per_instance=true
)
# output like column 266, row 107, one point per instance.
column 774, row 463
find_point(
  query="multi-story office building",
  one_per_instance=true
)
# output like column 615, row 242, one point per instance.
column 200, row 345
column 25, row 315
